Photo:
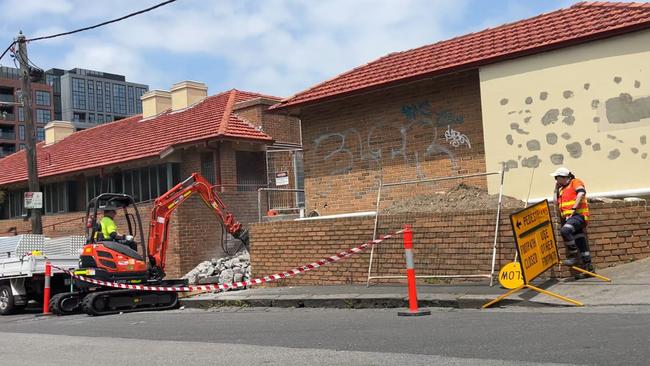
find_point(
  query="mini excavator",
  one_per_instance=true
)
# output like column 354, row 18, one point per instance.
column 127, row 262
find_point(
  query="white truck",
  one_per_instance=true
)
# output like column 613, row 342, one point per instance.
column 22, row 268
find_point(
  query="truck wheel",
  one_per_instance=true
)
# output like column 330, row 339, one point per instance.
column 6, row 300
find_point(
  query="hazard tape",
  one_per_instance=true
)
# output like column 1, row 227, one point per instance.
column 233, row 285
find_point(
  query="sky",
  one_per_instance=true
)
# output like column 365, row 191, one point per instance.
column 273, row 47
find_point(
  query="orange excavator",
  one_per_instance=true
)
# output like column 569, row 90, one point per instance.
column 129, row 262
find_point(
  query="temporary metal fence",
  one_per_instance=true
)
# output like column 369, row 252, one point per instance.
column 433, row 251
column 281, row 205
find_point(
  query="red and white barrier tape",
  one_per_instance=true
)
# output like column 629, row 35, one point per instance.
column 230, row 286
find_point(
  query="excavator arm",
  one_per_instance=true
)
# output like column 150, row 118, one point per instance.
column 165, row 205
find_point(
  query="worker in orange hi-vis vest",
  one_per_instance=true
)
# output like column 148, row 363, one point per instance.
column 571, row 199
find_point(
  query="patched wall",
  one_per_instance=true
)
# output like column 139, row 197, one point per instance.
column 585, row 107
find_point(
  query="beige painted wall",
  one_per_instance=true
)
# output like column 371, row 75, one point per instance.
column 585, row 107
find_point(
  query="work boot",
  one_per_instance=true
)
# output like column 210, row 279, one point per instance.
column 580, row 276
column 587, row 267
column 570, row 261
column 571, row 255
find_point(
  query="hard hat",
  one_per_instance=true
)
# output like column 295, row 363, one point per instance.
column 561, row 172
column 108, row 208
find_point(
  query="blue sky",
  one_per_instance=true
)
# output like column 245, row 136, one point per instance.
column 275, row 47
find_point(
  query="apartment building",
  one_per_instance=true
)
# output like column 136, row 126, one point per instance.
column 12, row 114
column 89, row 98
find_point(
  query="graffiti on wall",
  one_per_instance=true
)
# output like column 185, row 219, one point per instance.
column 456, row 138
column 390, row 141
column 615, row 113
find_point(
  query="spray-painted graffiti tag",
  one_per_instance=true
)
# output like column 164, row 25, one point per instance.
column 456, row 138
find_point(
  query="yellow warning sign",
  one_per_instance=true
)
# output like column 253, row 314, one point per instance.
column 535, row 240
column 510, row 276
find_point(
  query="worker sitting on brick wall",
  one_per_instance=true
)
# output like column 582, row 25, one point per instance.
column 571, row 199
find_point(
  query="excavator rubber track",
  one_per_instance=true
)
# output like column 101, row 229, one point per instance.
column 126, row 301
column 66, row 303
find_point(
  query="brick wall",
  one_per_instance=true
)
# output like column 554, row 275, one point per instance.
column 425, row 129
column 282, row 128
column 459, row 244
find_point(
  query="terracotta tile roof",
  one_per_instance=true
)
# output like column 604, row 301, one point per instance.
column 133, row 138
column 581, row 22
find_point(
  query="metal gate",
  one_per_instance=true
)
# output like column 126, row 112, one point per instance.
column 286, row 182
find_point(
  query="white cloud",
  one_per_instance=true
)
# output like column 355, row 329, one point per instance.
column 18, row 10
column 273, row 46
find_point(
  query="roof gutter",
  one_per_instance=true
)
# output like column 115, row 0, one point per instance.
column 173, row 148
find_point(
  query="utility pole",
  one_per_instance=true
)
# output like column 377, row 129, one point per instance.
column 30, row 131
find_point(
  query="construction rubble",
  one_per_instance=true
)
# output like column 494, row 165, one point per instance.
column 222, row 270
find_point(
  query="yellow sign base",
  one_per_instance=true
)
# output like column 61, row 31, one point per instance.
column 531, row 287
column 603, row 278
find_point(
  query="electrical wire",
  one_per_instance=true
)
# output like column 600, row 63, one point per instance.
column 101, row 24
column 7, row 50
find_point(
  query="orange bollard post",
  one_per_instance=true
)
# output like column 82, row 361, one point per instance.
column 46, row 290
column 410, row 276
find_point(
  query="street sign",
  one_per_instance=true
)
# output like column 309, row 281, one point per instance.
column 535, row 240
column 510, row 276
column 282, row 178
column 33, row 200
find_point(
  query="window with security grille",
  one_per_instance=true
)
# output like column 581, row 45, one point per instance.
column 15, row 201
column 208, row 170
column 251, row 170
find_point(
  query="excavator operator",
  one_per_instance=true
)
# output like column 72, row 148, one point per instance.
column 109, row 229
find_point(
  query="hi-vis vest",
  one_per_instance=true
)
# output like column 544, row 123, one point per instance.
column 567, row 199
column 107, row 227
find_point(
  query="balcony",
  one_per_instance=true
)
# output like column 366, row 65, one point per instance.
column 4, row 153
column 4, row 116
column 7, row 135
column 7, row 98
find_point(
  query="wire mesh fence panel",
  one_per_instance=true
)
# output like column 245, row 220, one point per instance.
column 284, row 171
column 274, row 201
column 454, row 224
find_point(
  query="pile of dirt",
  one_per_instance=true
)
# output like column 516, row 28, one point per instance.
column 458, row 199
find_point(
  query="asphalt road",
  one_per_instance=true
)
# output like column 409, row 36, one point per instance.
column 597, row 336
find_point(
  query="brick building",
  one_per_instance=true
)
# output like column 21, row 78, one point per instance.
column 224, row 136
column 12, row 116
column 568, row 88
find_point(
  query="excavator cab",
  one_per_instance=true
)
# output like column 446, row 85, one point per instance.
column 114, row 259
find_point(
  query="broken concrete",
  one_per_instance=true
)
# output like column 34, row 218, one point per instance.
column 222, row 270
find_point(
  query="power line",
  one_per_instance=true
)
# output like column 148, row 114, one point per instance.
column 91, row 27
column 101, row 24
column 7, row 50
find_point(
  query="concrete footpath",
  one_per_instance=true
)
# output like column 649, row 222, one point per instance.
column 630, row 286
